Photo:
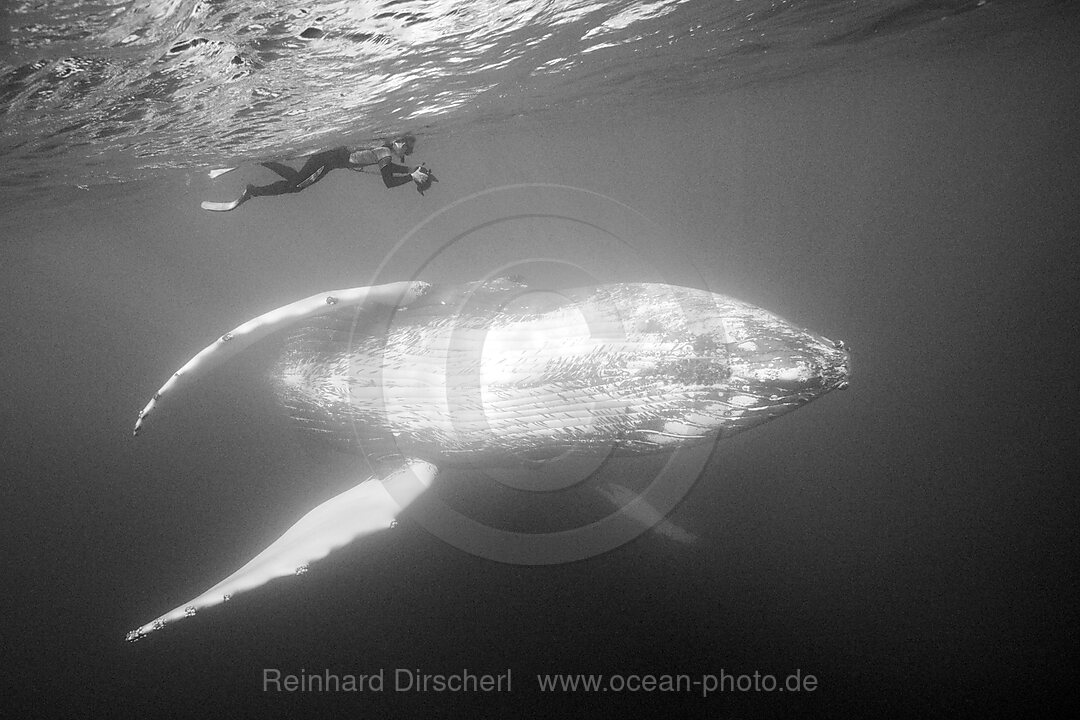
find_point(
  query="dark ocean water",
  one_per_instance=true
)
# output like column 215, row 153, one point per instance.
column 899, row 175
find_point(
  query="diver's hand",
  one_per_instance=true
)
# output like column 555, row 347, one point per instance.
column 419, row 175
column 423, row 178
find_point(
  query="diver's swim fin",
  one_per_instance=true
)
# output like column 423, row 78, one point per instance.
column 225, row 206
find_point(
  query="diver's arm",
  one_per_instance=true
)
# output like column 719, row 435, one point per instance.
column 394, row 175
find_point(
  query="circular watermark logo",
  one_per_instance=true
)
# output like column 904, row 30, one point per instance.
column 532, row 493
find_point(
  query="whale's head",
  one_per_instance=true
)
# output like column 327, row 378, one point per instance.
column 732, row 365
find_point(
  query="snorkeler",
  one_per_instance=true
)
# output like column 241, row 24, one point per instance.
column 318, row 165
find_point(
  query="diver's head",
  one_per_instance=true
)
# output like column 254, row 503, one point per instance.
column 403, row 146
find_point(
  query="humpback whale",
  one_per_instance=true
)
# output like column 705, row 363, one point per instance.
column 415, row 376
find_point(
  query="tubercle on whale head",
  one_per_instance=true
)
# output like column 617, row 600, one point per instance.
column 844, row 368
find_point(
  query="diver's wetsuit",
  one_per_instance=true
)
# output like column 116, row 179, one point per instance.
column 318, row 165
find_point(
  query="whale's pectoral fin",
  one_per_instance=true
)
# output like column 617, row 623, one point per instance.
column 673, row 532
column 634, row 506
column 362, row 510
column 231, row 343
